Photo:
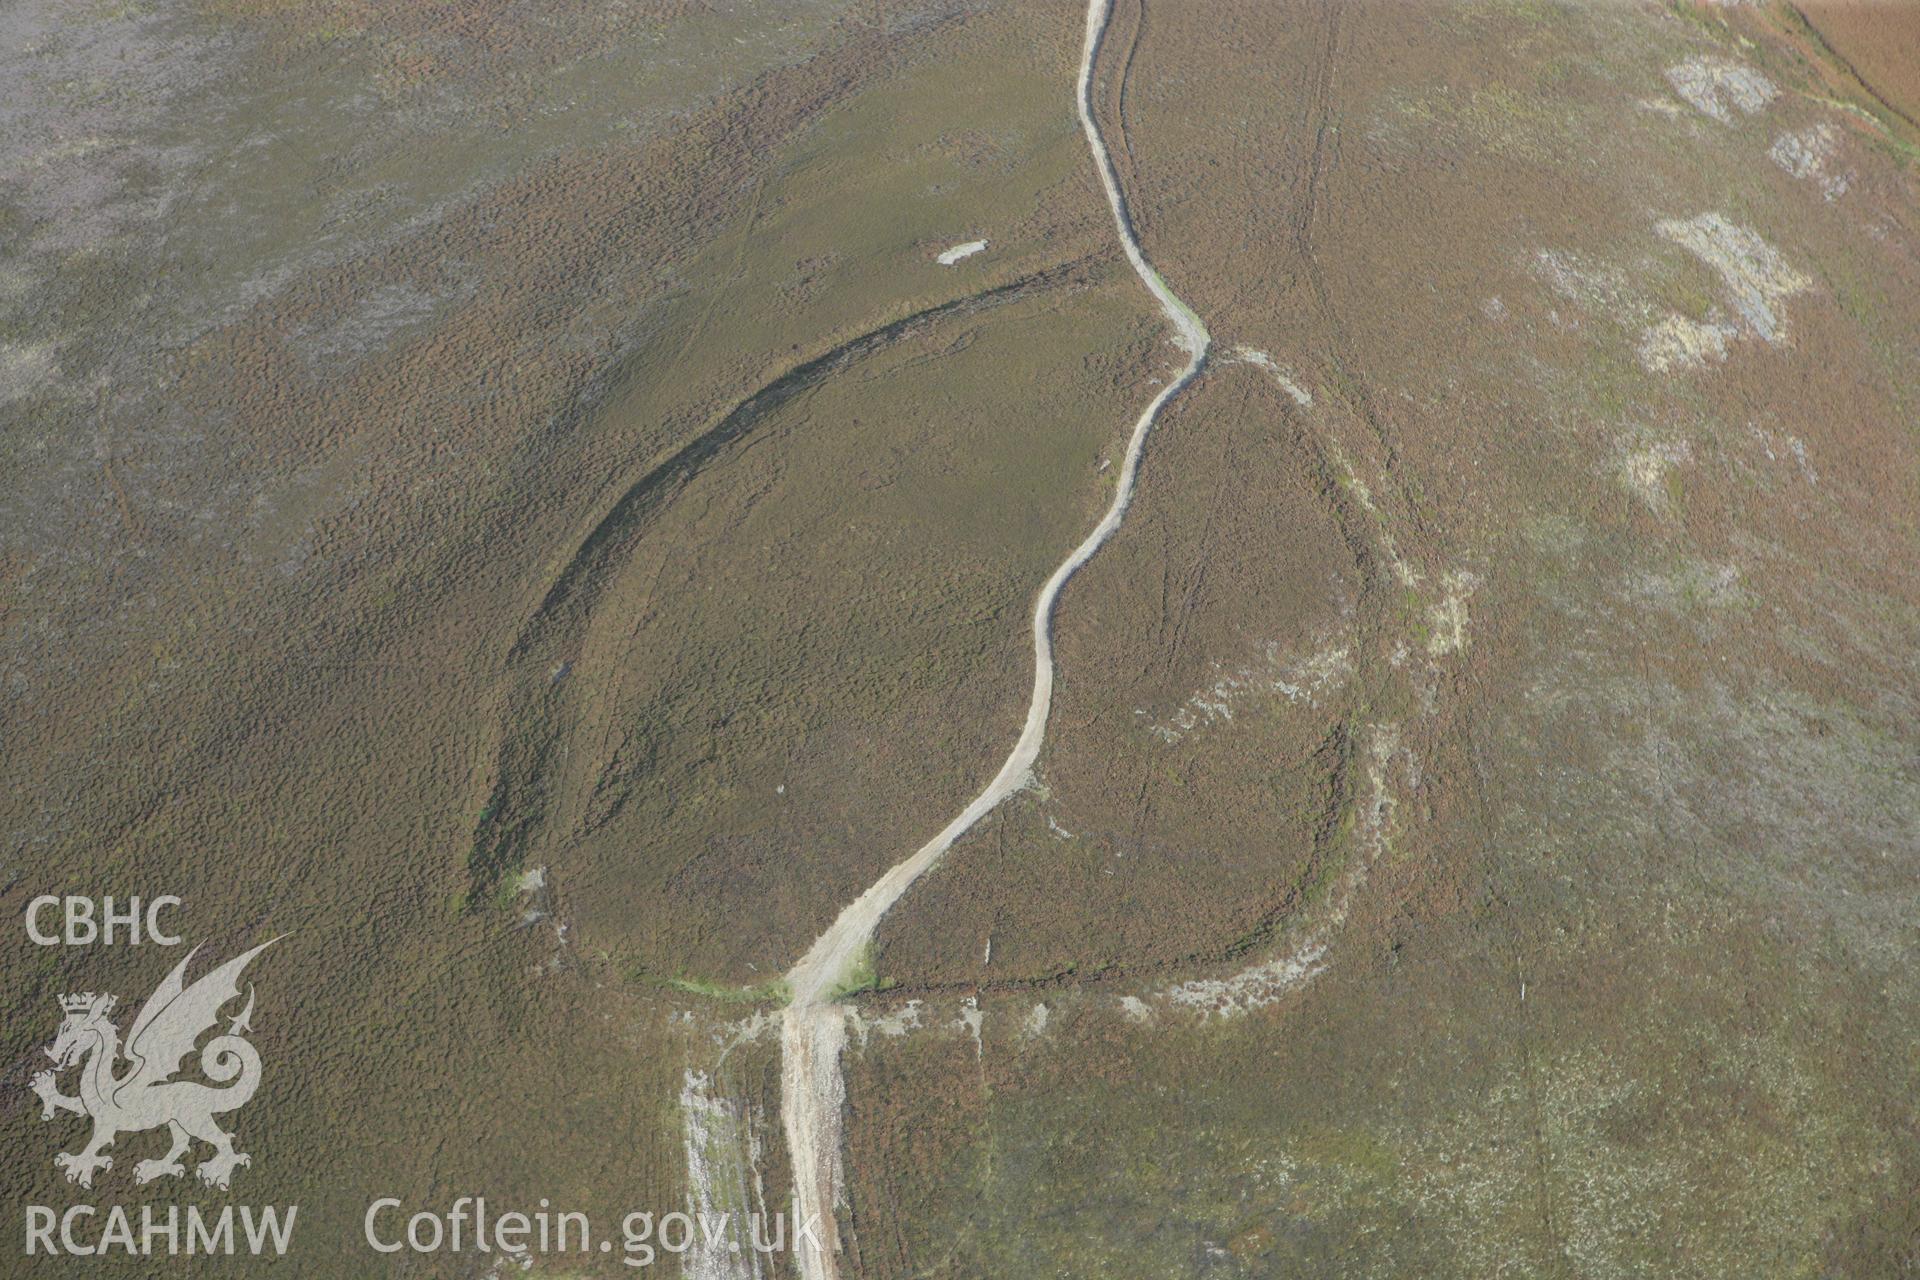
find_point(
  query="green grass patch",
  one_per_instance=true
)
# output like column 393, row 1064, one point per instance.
column 860, row 978
column 776, row 992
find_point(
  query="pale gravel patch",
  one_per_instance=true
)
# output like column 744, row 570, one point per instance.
column 1037, row 1021
column 971, row 1019
column 1251, row 989
column 813, row 1099
column 1594, row 286
column 891, row 1025
column 1448, row 618
column 1272, row 980
column 1717, row 87
column 1298, row 680
column 1282, row 377
column 963, row 1018
column 1677, row 342
column 1644, row 471
column 1382, row 805
column 1350, row 475
column 960, row 252
column 748, row 1030
column 1805, row 154
column 720, row 1169
column 1793, row 446
column 1756, row 277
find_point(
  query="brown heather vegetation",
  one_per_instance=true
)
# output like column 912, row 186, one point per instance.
column 452, row 441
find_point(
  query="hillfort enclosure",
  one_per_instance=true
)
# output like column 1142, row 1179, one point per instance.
column 953, row 639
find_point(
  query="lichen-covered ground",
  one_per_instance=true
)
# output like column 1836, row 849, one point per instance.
column 510, row 496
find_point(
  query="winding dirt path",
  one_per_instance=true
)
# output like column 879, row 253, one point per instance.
column 813, row 1028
